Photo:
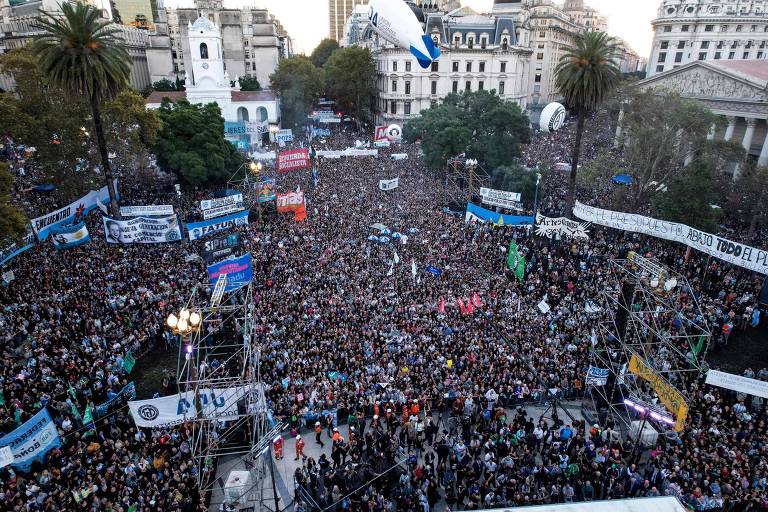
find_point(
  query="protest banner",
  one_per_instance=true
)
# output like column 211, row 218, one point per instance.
column 479, row 214
column 32, row 440
column 142, row 230
column 292, row 160
column 509, row 200
column 67, row 237
column 238, row 271
column 71, row 213
column 153, row 210
column 197, row 230
column 560, row 227
column 389, row 184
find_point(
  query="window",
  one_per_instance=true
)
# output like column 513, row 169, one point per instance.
column 724, row 28
column 468, row 86
column 394, row 65
column 247, row 66
column 457, row 41
column 470, row 42
column 433, row 103
column 679, row 57
column 684, row 28
column 680, row 45
column 660, row 69
column 247, row 54
column 407, row 87
column 738, row 28
column 482, row 67
column 455, row 67
column 702, row 55
column 709, row 28
column 480, row 85
column 435, row 67
column 720, row 45
column 503, row 67
column 385, row 106
column 203, row 51
column 504, row 44
column 537, row 78
column 731, row 55
column 174, row 56
column 483, row 43
column 393, row 107
column 662, row 57
column 542, row 34
column 407, row 65
column 718, row 55
column 664, row 45
column 434, row 88
column 668, row 28
column 394, row 85
column 175, row 68
column 539, row 56
column 407, row 108
column 455, row 86
column 705, row 45
column 759, row 55
column 745, row 56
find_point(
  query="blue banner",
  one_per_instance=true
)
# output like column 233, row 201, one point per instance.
column 67, row 237
column 477, row 213
column 129, row 392
column 234, row 128
column 12, row 250
column 267, row 190
column 32, row 440
column 238, row 271
column 433, row 270
column 321, row 132
column 197, row 230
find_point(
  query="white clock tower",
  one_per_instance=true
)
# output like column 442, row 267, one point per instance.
column 209, row 81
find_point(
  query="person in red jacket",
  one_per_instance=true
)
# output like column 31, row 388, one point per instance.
column 277, row 444
column 299, row 448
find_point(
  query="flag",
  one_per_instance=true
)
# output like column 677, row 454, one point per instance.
column 132, row 508
column 699, row 345
column 71, row 392
column 476, row 300
column 441, row 305
column 688, row 254
column 315, row 178
column 501, row 221
column 462, row 307
column 129, row 362
column 2, row 397
column 17, row 415
column 396, row 259
column 88, row 416
column 391, row 269
column 413, row 268
column 515, row 261
column 76, row 413
column 763, row 299
column 300, row 214
column 470, row 307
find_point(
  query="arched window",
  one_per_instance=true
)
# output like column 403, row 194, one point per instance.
column 203, row 51
column 242, row 114
column 261, row 114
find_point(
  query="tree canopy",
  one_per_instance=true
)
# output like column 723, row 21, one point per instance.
column 299, row 83
column 478, row 123
column 13, row 223
column 690, row 197
column 350, row 79
column 191, row 143
column 323, row 51
column 513, row 178
column 249, row 83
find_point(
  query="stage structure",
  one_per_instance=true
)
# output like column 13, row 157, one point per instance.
column 464, row 178
column 218, row 371
column 653, row 339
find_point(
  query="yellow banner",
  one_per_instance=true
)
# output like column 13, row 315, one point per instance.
column 668, row 395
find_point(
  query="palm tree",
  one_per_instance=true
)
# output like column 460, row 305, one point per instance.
column 80, row 54
column 584, row 76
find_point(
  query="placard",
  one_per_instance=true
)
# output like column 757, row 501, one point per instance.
column 153, row 210
column 142, row 230
column 737, row 383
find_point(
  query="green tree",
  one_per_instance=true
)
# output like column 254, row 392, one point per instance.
column 479, row 123
column 165, row 85
column 249, row 83
column 513, row 178
column 690, row 197
column 81, row 54
column 132, row 130
column 299, row 84
column 749, row 197
column 191, row 143
column 13, row 223
column 585, row 75
column 350, row 79
column 323, row 52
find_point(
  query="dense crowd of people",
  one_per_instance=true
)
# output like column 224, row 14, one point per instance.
column 357, row 331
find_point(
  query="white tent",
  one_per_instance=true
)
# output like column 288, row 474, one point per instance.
column 661, row 504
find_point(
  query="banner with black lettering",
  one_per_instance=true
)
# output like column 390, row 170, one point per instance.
column 142, row 230
column 560, row 227
column 217, row 249
column 72, row 213
column 733, row 252
column 152, row 210
column 389, row 184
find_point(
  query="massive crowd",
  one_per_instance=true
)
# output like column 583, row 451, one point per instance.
column 437, row 398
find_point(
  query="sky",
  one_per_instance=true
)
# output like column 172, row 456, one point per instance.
column 307, row 20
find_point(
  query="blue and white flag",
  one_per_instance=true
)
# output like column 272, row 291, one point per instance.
column 597, row 376
column 315, row 177
column 433, row 270
column 197, row 230
column 238, row 271
column 477, row 213
column 67, row 237
column 32, row 440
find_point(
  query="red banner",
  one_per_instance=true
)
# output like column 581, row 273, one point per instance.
column 292, row 160
column 381, row 133
column 290, row 202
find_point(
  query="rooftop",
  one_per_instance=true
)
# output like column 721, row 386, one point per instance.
column 754, row 69
column 237, row 96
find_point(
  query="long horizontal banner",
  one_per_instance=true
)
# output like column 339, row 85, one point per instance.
column 347, row 152
column 67, row 237
column 73, row 212
column 509, row 200
column 560, row 227
column 11, row 249
column 32, row 440
column 238, row 271
column 668, row 394
column 142, row 230
column 733, row 252
column 222, row 210
column 197, row 230
column 152, row 210
column 737, row 383
column 292, row 160
column 479, row 214
column 208, row 204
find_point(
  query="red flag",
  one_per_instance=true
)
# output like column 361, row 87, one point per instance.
column 470, row 307
column 462, row 308
column 441, row 306
column 476, row 300
column 300, row 214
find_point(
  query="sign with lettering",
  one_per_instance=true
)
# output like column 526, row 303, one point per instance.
column 668, row 394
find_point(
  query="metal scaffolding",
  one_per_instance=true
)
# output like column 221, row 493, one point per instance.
column 464, row 178
column 218, row 371
column 652, row 326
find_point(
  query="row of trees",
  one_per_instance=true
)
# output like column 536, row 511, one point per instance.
column 346, row 75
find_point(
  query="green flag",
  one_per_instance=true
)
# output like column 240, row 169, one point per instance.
column 88, row 416
column 515, row 261
column 2, row 397
column 76, row 413
column 132, row 508
column 17, row 416
column 129, row 362
column 71, row 392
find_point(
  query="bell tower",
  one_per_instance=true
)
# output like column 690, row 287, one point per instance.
column 207, row 60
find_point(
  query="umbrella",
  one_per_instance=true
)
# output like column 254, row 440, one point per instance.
column 622, row 179
column 384, row 239
column 396, row 234
column 373, row 238
column 386, row 231
column 413, row 230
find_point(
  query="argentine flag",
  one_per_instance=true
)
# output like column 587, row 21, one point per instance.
column 66, row 237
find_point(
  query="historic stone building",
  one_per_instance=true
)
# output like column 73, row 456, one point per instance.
column 708, row 30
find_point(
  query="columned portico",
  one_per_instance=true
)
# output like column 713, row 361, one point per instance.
column 731, row 127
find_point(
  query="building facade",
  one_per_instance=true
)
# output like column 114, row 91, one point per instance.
column 251, row 46
column 339, row 12
column 708, row 30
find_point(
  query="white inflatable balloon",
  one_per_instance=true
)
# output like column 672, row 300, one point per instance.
column 552, row 117
column 395, row 21
column 394, row 133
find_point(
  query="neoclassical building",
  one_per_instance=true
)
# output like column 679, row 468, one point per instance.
column 735, row 89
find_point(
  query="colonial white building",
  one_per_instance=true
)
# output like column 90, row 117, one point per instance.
column 207, row 81
column 708, row 30
column 734, row 89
